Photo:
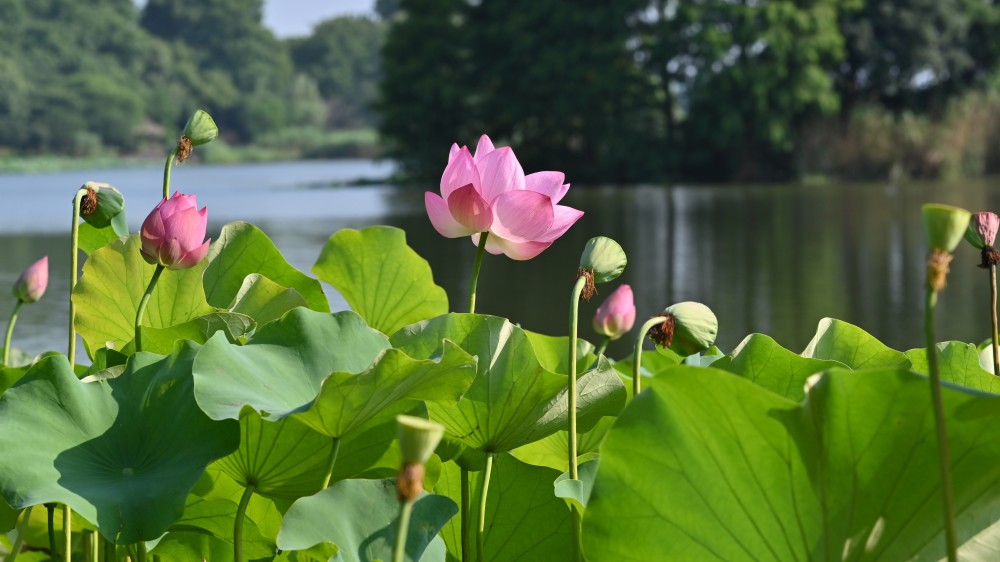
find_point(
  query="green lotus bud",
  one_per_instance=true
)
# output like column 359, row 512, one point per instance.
column 604, row 257
column 689, row 328
column 200, row 128
column 944, row 225
column 417, row 438
column 101, row 204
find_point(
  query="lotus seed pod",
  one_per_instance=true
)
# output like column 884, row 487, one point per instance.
column 690, row 328
column 101, row 204
column 201, row 128
column 417, row 438
column 982, row 229
column 944, row 225
column 604, row 257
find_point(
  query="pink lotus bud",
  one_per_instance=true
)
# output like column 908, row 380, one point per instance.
column 616, row 315
column 173, row 235
column 982, row 229
column 30, row 286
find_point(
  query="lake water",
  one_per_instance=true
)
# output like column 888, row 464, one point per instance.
column 771, row 259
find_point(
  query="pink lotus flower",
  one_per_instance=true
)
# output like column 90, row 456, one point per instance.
column 616, row 315
column 488, row 192
column 983, row 229
column 173, row 235
column 31, row 285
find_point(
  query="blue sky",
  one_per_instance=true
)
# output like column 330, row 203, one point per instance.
column 289, row 18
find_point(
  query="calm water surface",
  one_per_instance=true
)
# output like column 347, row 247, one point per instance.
column 767, row 259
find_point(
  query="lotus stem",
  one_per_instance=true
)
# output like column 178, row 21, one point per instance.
column 140, row 551
column 334, row 451
column 951, row 540
column 51, row 508
column 110, row 551
column 637, row 355
column 475, row 271
column 142, row 306
column 574, row 317
column 10, row 332
column 22, row 528
column 481, row 531
column 68, row 532
column 993, row 314
column 74, row 267
column 466, row 501
column 602, row 347
column 91, row 553
column 399, row 550
column 241, row 513
column 166, row 173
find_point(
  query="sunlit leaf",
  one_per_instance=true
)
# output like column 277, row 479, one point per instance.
column 836, row 340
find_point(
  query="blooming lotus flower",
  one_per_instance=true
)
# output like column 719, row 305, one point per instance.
column 173, row 235
column 31, row 285
column 488, row 192
column 616, row 315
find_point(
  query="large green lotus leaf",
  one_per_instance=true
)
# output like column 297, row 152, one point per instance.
column 370, row 450
column 552, row 451
column 514, row 400
column 348, row 400
column 360, row 517
column 123, row 452
column 114, row 279
column 760, row 359
column 264, row 300
column 213, row 518
column 836, row 340
column 198, row 330
column 551, row 352
column 91, row 238
column 280, row 370
column 959, row 364
column 243, row 249
column 382, row 278
column 525, row 521
column 740, row 473
column 264, row 512
column 281, row 459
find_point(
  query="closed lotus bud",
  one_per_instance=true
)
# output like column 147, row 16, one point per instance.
column 201, row 128
column 417, row 438
column 101, row 204
column 690, row 328
column 30, row 286
column 173, row 235
column 982, row 229
column 616, row 315
column 604, row 257
column 944, row 225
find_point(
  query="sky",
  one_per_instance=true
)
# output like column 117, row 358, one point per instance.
column 290, row 18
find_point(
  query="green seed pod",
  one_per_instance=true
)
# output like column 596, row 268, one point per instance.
column 200, row 128
column 944, row 225
column 604, row 257
column 417, row 438
column 690, row 328
column 101, row 204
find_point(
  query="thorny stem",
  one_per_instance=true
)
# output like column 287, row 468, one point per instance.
column 475, row 271
column 10, row 332
column 637, row 354
column 142, row 306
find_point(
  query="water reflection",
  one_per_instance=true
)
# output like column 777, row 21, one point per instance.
column 772, row 259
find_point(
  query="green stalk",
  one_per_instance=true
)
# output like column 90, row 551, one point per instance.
column 90, row 544
column 334, row 451
column 10, row 332
column 481, row 531
column 74, row 271
column 993, row 309
column 140, row 551
column 950, row 533
column 166, row 173
column 637, row 355
column 574, row 317
column 466, row 501
column 51, row 507
column 475, row 271
column 241, row 513
column 22, row 528
column 399, row 550
column 68, row 532
column 602, row 347
column 110, row 550
column 142, row 306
